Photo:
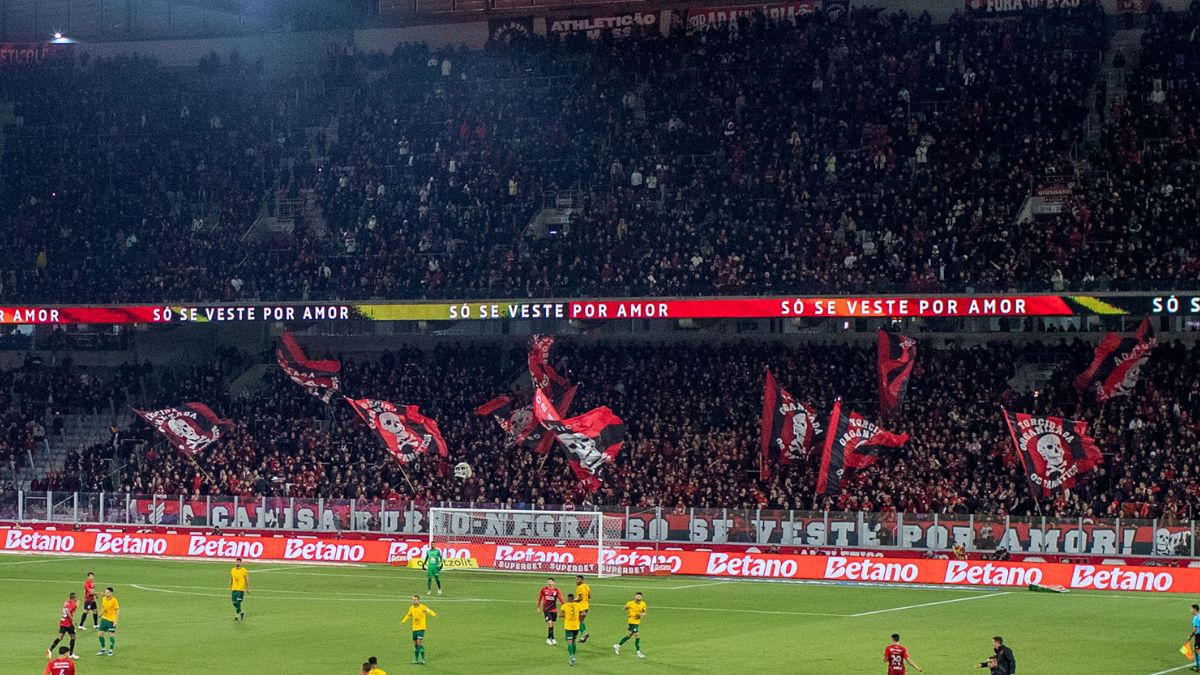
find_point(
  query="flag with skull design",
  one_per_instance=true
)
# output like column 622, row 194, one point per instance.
column 403, row 429
column 789, row 426
column 1053, row 450
column 590, row 440
column 519, row 424
column 189, row 427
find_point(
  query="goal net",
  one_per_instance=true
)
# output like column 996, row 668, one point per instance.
column 565, row 542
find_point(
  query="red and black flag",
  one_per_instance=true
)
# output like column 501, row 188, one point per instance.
column 1053, row 450
column 319, row 378
column 190, row 427
column 540, row 371
column 851, row 442
column 787, row 426
column 1117, row 363
column 590, row 440
column 895, row 360
column 519, row 424
column 404, row 430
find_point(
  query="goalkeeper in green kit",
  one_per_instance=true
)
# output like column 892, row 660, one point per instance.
column 433, row 570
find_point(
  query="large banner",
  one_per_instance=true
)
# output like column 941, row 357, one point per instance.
column 704, row 18
column 617, row 26
column 562, row 309
column 809, row 530
column 1001, row 7
column 19, row 53
column 504, row 31
column 570, row 559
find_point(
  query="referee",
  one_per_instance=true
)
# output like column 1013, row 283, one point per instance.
column 1195, row 637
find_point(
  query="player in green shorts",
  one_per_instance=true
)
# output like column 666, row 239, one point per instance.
column 419, row 614
column 433, row 570
column 110, row 610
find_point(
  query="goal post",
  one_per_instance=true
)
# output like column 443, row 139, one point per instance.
column 575, row 542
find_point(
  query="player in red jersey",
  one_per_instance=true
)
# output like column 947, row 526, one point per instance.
column 89, row 601
column 66, row 626
column 63, row 665
column 549, row 598
column 896, row 656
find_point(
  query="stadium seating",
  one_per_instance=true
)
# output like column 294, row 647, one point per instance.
column 693, row 428
column 714, row 168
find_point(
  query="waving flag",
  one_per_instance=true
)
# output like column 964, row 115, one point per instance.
column 1117, row 363
column 788, row 426
column 540, row 370
column 851, row 443
column 190, row 427
column 590, row 440
column 403, row 430
column 895, row 360
column 519, row 424
column 319, row 378
column 1053, row 450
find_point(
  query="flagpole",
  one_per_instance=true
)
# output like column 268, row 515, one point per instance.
column 1021, row 455
column 201, row 469
column 408, row 480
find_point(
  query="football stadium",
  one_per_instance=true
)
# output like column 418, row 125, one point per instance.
column 679, row 336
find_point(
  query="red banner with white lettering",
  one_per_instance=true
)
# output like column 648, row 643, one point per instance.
column 568, row 559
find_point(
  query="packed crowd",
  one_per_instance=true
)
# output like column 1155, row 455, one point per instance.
column 1135, row 222
column 880, row 151
column 692, row 414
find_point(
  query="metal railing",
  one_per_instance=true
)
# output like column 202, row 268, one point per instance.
column 657, row 528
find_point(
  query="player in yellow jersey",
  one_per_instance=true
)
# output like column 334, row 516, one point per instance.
column 418, row 613
column 583, row 596
column 634, row 609
column 371, row 667
column 110, row 610
column 239, row 585
column 571, row 612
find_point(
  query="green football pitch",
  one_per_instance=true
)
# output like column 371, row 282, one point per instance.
column 176, row 618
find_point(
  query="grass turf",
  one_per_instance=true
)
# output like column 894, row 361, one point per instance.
column 176, row 618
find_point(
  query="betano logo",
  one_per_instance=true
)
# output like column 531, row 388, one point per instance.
column 838, row 567
column 130, row 545
column 1117, row 579
column 648, row 561
column 17, row 540
column 298, row 549
column 958, row 572
column 528, row 554
column 220, row 547
column 723, row 564
column 399, row 550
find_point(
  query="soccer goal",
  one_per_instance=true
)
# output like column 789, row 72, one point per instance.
column 567, row 542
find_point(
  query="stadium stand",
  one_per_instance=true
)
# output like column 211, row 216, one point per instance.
column 693, row 413
column 422, row 174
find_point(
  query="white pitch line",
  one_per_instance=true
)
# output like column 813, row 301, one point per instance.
column 31, row 561
column 1171, row 670
column 929, row 604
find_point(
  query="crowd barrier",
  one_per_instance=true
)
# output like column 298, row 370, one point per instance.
column 569, row 559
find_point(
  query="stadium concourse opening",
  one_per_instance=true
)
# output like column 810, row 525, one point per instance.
column 417, row 310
